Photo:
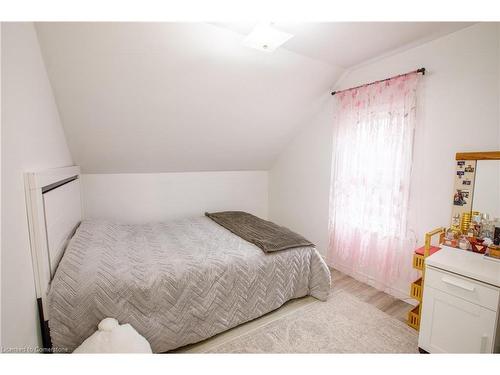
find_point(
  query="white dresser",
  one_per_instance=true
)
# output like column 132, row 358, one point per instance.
column 460, row 310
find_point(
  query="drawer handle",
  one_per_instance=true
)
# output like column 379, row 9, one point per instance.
column 458, row 284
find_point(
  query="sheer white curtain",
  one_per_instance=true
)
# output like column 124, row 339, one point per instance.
column 373, row 147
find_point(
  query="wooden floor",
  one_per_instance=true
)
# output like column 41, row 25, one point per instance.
column 382, row 301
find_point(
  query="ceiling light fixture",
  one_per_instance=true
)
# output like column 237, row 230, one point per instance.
column 266, row 38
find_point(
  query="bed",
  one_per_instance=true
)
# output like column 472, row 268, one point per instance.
column 175, row 282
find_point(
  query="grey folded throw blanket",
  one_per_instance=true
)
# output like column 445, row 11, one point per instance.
column 264, row 234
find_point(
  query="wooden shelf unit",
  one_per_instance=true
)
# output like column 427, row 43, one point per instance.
column 414, row 318
column 417, row 287
column 416, row 290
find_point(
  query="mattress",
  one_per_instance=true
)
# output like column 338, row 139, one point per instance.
column 176, row 282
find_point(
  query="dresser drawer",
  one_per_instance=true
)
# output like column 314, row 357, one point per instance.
column 462, row 287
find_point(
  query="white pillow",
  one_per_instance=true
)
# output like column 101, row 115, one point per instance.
column 111, row 337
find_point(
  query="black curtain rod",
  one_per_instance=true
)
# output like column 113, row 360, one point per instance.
column 421, row 70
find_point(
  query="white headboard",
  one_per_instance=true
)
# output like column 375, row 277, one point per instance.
column 54, row 208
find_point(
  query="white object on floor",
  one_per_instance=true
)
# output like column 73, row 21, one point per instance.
column 111, row 337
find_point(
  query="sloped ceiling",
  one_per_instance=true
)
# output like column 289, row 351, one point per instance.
column 170, row 97
column 347, row 44
column 160, row 97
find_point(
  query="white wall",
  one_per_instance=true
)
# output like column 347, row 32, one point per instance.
column 32, row 139
column 144, row 197
column 299, row 182
column 458, row 111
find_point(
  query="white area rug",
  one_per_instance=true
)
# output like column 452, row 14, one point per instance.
column 343, row 324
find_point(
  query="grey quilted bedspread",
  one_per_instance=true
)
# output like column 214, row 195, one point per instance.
column 176, row 282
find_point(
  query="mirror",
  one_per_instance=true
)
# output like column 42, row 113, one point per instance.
column 487, row 188
column 475, row 223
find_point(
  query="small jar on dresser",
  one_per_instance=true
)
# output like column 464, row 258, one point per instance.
column 461, row 303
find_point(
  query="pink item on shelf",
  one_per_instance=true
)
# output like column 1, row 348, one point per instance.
column 432, row 250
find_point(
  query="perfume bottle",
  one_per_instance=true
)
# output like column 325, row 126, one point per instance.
column 453, row 233
column 487, row 228
column 496, row 233
column 463, row 243
column 472, row 233
column 476, row 220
